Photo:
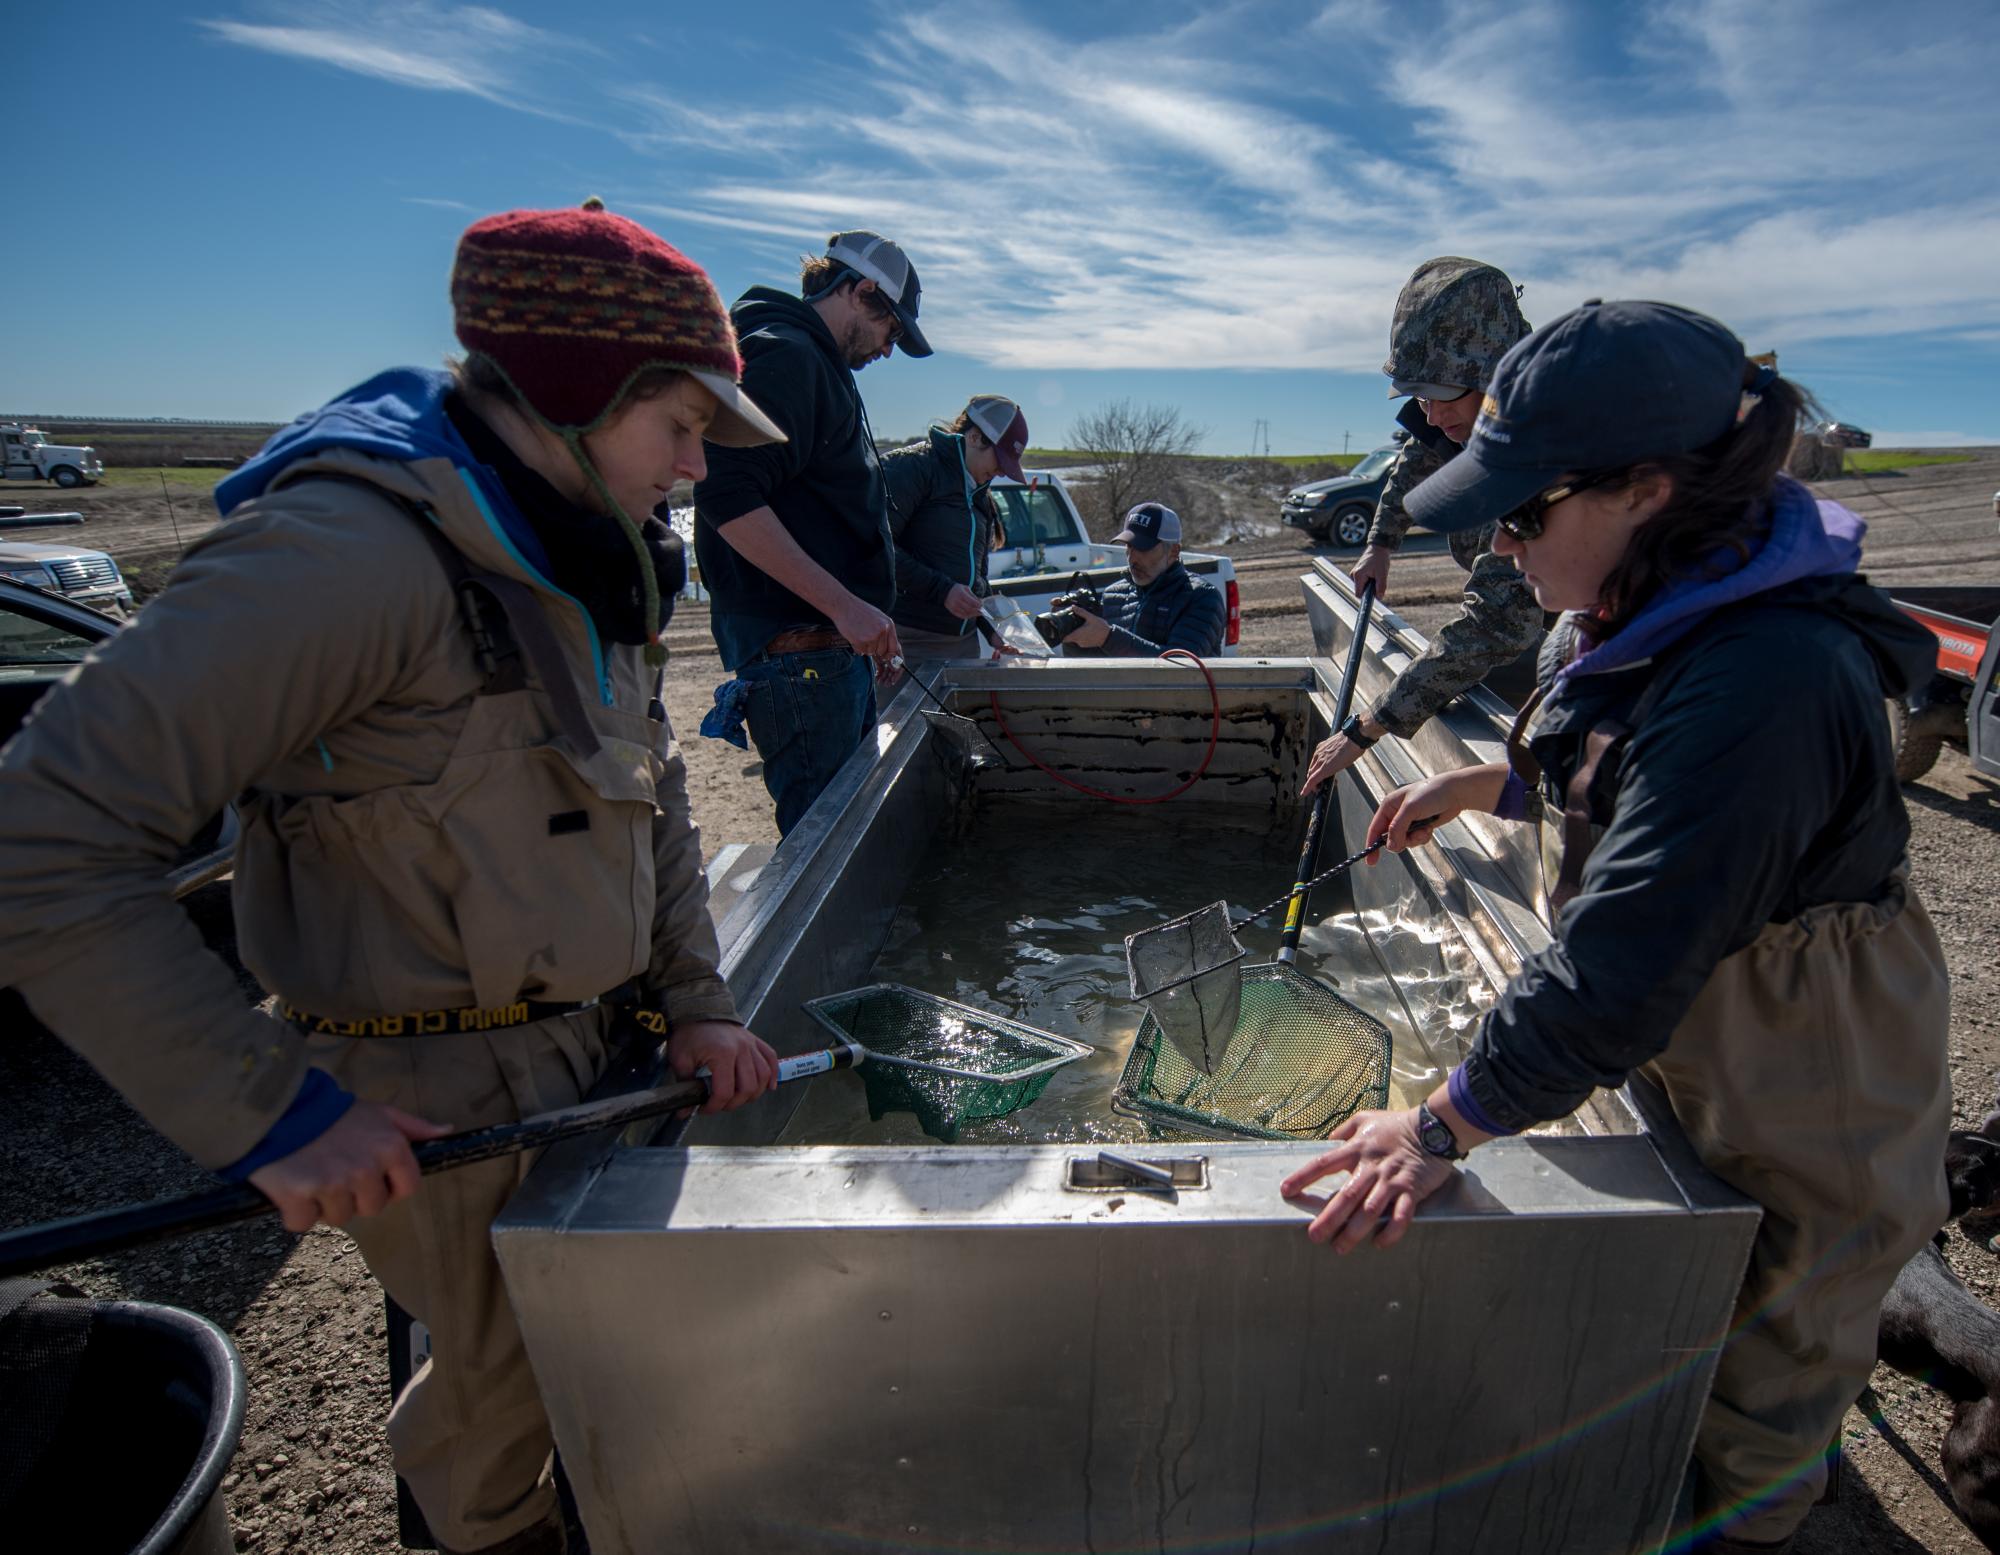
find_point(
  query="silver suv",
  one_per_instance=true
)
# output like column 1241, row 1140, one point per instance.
column 88, row 577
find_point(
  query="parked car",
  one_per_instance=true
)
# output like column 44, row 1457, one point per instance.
column 1342, row 508
column 1845, row 435
column 86, row 576
column 43, row 636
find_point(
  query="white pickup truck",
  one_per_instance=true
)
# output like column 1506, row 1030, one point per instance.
column 1047, row 545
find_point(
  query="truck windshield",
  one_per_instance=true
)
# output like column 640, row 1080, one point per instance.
column 1373, row 465
column 1033, row 516
column 34, row 439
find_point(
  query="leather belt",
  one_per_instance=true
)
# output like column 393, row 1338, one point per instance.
column 803, row 639
column 431, row 1023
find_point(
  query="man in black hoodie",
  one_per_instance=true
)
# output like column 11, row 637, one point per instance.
column 795, row 550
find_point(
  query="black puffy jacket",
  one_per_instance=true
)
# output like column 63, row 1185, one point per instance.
column 943, row 527
column 1175, row 610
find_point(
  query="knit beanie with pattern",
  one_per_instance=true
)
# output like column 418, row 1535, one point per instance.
column 572, row 307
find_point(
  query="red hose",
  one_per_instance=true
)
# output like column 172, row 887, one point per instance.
column 1214, row 731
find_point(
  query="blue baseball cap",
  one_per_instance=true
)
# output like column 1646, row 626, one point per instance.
column 1608, row 385
column 1148, row 524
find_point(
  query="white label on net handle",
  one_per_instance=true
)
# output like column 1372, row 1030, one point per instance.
column 805, row 1064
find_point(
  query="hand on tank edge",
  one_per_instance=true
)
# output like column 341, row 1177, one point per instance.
column 1389, row 1175
column 359, row 1166
column 741, row 1065
column 1373, row 567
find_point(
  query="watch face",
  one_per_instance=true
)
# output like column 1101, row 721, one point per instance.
column 1435, row 1136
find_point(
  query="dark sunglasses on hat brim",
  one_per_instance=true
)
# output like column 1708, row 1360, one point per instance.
column 1430, row 393
column 1525, row 522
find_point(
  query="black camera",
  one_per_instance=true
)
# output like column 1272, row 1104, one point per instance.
column 1061, row 618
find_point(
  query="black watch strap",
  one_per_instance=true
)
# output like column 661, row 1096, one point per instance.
column 1435, row 1135
column 1352, row 730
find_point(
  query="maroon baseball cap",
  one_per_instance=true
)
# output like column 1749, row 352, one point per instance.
column 1001, row 423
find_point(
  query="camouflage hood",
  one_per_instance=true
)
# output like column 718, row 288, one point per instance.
column 1455, row 319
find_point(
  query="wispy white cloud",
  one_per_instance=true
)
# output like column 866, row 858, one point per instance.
column 469, row 49
column 439, row 204
column 1244, row 187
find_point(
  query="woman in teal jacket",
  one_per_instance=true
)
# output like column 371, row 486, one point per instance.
column 944, row 522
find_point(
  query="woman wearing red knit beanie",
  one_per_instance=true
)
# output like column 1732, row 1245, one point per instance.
column 424, row 649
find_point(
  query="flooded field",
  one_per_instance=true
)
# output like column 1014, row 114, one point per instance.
column 1025, row 914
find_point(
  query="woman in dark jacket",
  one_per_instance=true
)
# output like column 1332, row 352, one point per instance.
column 1724, row 849
column 944, row 522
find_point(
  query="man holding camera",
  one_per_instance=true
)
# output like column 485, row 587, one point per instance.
column 1158, row 604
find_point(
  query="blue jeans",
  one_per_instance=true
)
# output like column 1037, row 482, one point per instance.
column 807, row 712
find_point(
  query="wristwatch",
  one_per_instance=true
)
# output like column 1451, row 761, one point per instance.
column 1434, row 1136
column 1352, row 731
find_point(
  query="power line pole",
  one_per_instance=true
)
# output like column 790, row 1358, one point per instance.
column 1260, row 429
column 1343, row 443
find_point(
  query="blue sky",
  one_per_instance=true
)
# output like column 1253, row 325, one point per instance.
column 243, row 207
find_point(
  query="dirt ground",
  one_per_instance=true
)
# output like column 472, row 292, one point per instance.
column 313, row 1471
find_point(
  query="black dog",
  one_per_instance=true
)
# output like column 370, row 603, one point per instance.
column 1937, row 1331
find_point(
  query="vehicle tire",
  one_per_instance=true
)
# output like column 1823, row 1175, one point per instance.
column 1915, row 754
column 1350, row 526
column 66, row 476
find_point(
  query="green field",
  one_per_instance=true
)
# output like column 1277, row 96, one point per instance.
column 1870, row 461
column 119, row 478
column 1056, row 458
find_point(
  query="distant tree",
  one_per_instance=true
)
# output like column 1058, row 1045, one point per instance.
column 1139, row 451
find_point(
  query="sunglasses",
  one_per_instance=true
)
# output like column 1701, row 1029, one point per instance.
column 1525, row 522
column 881, row 310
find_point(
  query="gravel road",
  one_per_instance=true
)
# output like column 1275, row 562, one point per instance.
column 313, row 1472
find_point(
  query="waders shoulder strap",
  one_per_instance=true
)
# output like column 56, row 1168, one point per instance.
column 1579, row 832
column 504, row 619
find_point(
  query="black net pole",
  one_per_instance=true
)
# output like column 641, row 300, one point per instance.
column 1295, row 914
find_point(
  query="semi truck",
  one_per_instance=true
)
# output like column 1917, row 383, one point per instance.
column 26, row 454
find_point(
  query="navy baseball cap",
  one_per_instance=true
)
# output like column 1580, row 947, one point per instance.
column 1608, row 385
column 1148, row 524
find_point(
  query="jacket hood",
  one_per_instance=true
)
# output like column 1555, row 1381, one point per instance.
column 1808, row 558
column 1455, row 318
column 397, row 416
column 762, row 306
column 950, row 447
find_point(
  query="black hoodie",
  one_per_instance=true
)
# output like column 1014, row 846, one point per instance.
column 824, row 484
